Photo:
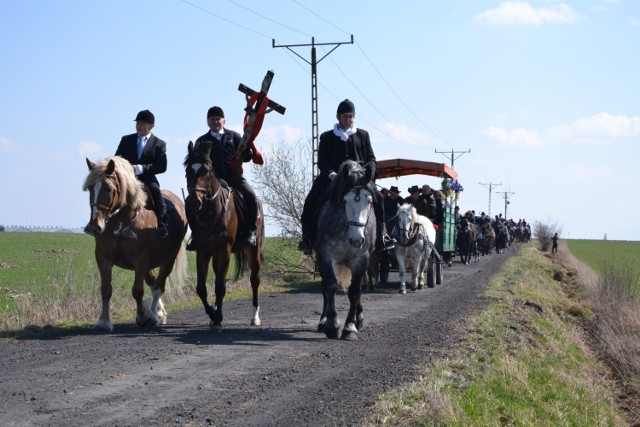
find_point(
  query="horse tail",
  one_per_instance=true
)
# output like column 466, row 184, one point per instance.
column 241, row 263
column 178, row 277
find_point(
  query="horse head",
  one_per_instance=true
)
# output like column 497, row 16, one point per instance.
column 352, row 190
column 406, row 220
column 202, row 183
column 112, row 185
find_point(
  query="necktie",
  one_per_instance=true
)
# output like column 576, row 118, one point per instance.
column 141, row 143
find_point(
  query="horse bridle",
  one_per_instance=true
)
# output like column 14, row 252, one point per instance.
column 110, row 211
column 412, row 237
column 357, row 199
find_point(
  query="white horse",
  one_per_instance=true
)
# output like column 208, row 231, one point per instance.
column 416, row 237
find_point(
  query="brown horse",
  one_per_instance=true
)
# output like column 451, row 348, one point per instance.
column 125, row 234
column 215, row 214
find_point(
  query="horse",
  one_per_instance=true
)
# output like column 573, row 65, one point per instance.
column 502, row 237
column 489, row 237
column 215, row 213
column 124, row 229
column 344, row 242
column 467, row 244
column 415, row 239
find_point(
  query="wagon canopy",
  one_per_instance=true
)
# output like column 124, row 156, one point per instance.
column 401, row 167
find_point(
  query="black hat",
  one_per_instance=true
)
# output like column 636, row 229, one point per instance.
column 414, row 189
column 145, row 116
column 346, row 107
column 215, row 111
column 394, row 189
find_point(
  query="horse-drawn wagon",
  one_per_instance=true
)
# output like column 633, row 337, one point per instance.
column 444, row 244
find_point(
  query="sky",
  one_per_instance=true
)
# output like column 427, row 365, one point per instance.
column 538, row 99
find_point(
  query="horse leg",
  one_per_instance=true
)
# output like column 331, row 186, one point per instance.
column 350, row 331
column 202, row 270
column 143, row 317
column 401, row 273
column 323, row 316
column 329, row 287
column 220, row 268
column 255, row 264
column 156, row 308
column 106, row 291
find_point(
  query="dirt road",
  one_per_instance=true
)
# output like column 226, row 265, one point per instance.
column 282, row 373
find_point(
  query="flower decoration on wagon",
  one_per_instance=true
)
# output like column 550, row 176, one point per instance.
column 446, row 187
column 457, row 188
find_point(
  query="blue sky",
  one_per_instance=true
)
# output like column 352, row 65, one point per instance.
column 544, row 94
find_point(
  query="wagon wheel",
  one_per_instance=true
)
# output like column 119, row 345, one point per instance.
column 431, row 274
column 439, row 273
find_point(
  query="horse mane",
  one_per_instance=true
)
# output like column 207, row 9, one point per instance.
column 132, row 193
column 349, row 175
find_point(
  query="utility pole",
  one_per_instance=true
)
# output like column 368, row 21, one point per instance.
column 490, row 186
column 506, row 201
column 314, row 91
column 453, row 155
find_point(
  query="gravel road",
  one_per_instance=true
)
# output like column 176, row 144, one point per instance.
column 282, row 373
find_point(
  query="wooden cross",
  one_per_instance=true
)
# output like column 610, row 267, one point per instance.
column 254, row 116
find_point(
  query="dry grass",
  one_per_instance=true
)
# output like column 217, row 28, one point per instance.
column 615, row 327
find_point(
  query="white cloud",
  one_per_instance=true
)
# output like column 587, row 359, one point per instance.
column 599, row 128
column 522, row 13
column 516, row 138
column 92, row 150
column 6, row 144
column 635, row 22
column 398, row 133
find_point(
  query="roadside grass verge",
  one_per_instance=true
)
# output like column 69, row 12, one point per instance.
column 522, row 361
column 50, row 283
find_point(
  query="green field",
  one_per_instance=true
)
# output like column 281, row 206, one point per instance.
column 53, row 266
column 605, row 256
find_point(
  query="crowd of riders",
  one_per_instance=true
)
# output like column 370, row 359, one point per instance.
column 432, row 204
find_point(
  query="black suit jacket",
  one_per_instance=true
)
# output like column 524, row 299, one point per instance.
column 332, row 151
column 154, row 156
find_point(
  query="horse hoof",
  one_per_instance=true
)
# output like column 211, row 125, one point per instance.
column 349, row 336
column 216, row 328
column 323, row 321
column 419, row 286
column 403, row 291
column 331, row 334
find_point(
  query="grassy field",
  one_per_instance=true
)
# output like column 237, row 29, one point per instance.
column 51, row 269
column 609, row 256
column 523, row 361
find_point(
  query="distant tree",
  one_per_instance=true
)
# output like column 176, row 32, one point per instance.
column 544, row 232
column 605, row 236
column 1, row 227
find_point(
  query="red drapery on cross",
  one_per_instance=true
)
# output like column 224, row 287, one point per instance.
column 260, row 111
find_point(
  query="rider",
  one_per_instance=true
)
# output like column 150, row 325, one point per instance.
column 148, row 155
column 343, row 142
column 224, row 145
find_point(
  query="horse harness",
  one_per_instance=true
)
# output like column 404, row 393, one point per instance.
column 357, row 199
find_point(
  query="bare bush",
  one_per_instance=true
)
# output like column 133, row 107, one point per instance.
column 283, row 183
column 544, row 233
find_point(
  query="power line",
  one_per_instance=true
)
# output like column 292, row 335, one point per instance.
column 314, row 90
column 453, row 155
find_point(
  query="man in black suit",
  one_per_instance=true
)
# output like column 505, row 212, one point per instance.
column 224, row 146
column 148, row 156
column 343, row 142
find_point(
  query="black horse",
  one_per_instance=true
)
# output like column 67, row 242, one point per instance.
column 344, row 242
